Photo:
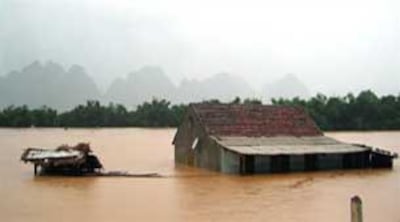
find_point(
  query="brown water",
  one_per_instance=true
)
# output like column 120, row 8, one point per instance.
column 185, row 194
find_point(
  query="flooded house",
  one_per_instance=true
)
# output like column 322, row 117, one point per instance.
column 246, row 139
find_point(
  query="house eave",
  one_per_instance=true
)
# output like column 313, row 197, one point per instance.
column 287, row 145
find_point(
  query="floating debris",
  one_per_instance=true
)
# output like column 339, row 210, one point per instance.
column 76, row 160
column 124, row 174
column 64, row 160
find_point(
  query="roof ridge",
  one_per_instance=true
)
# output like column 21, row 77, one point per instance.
column 255, row 120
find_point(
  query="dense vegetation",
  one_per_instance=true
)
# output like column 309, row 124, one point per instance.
column 158, row 113
column 366, row 111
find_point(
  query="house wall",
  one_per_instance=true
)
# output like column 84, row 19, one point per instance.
column 188, row 131
column 280, row 163
column 208, row 154
column 356, row 160
column 296, row 163
column 230, row 162
column 329, row 161
column 309, row 162
column 379, row 160
column 262, row 164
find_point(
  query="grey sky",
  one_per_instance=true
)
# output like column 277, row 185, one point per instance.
column 333, row 46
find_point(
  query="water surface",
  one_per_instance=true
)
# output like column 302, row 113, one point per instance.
column 185, row 194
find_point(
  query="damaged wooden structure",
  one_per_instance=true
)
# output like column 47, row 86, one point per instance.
column 246, row 139
column 64, row 160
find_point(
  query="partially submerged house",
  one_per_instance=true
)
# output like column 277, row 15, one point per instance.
column 234, row 138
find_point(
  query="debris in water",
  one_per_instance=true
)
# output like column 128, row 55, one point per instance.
column 124, row 174
column 71, row 160
column 64, row 160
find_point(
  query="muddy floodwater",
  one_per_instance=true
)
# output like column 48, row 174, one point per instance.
column 184, row 194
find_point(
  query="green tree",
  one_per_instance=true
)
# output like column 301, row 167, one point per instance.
column 154, row 114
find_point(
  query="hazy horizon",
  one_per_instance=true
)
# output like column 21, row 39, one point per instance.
column 332, row 47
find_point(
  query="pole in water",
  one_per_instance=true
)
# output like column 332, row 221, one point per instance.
column 356, row 209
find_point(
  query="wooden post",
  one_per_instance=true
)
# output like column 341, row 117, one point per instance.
column 356, row 209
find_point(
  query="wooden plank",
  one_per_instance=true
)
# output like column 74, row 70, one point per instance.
column 356, row 209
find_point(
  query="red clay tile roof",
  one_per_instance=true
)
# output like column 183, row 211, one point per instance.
column 255, row 120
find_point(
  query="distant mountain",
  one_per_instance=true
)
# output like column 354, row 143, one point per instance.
column 49, row 84
column 151, row 82
column 143, row 85
column 222, row 86
column 287, row 87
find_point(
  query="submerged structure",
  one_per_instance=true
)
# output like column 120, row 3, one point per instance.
column 245, row 139
column 64, row 160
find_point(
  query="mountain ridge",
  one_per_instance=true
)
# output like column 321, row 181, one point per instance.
column 52, row 85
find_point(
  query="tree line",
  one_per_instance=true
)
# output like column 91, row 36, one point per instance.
column 157, row 113
column 366, row 111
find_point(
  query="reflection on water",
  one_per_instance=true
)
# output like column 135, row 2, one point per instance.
column 185, row 194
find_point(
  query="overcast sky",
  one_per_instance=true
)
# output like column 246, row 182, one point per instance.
column 333, row 46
